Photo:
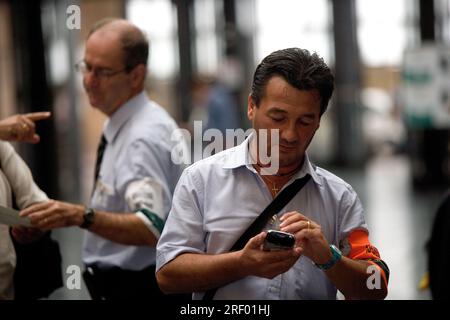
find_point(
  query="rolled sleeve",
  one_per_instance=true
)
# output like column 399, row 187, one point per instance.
column 146, row 161
column 184, row 231
column 351, row 218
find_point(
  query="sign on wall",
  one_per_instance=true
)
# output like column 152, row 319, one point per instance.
column 426, row 87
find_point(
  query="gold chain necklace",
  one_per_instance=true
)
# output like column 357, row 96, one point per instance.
column 286, row 177
column 274, row 190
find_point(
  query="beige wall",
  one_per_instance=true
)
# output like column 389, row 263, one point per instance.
column 383, row 78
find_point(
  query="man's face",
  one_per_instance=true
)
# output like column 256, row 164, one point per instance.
column 103, row 54
column 296, row 113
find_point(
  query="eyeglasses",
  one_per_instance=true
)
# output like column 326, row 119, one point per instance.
column 84, row 68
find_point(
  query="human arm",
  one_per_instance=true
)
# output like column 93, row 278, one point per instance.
column 23, row 187
column 197, row 272
column 123, row 228
column 138, row 186
column 21, row 127
column 349, row 275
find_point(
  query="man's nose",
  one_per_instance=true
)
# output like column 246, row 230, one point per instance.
column 90, row 78
column 289, row 134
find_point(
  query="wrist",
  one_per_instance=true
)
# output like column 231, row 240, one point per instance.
column 239, row 265
column 336, row 256
column 325, row 256
column 87, row 217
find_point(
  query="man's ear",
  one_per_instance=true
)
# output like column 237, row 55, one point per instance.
column 250, row 107
column 138, row 75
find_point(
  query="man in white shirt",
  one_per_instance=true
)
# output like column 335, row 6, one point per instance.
column 219, row 197
column 135, row 176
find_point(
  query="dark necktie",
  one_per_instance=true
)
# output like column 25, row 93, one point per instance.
column 100, row 152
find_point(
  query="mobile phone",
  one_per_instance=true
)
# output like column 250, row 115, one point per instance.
column 278, row 240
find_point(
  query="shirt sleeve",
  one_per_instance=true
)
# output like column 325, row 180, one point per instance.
column 184, row 231
column 19, row 176
column 144, row 178
column 354, row 234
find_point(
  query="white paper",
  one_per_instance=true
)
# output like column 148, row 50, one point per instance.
column 11, row 217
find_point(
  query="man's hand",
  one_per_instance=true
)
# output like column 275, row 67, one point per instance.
column 54, row 214
column 21, row 127
column 266, row 264
column 308, row 235
column 24, row 235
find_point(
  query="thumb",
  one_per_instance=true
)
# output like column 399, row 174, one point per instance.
column 256, row 241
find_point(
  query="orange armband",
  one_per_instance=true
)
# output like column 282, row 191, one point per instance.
column 362, row 249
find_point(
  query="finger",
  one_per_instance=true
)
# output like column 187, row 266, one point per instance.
column 287, row 215
column 298, row 251
column 290, row 218
column 287, row 262
column 41, row 218
column 29, row 133
column 37, row 116
column 30, row 124
column 35, row 208
column 295, row 227
column 256, row 241
column 40, row 222
column 21, row 130
column 303, row 236
column 35, row 139
column 32, row 138
column 280, row 255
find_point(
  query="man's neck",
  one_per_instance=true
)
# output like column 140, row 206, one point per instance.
column 120, row 105
column 283, row 170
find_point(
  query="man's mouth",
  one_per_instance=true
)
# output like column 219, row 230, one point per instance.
column 286, row 148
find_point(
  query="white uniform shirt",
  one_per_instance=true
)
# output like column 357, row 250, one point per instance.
column 217, row 198
column 136, row 171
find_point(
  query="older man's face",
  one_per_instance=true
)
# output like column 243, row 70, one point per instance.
column 296, row 113
column 107, row 84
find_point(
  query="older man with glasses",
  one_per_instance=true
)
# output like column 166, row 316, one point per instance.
column 135, row 176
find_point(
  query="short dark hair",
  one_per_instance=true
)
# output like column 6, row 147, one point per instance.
column 300, row 69
column 134, row 43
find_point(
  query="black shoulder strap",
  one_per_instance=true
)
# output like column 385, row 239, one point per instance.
column 260, row 222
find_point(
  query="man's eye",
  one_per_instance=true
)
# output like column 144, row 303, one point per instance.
column 103, row 72
column 276, row 119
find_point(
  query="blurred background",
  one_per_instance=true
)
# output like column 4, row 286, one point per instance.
column 386, row 131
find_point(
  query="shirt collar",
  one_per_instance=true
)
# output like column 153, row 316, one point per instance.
column 123, row 113
column 241, row 157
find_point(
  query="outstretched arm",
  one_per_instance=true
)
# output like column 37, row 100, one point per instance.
column 21, row 127
column 123, row 228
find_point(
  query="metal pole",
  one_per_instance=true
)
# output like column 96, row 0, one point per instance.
column 350, row 145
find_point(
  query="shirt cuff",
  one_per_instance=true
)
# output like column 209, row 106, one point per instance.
column 154, row 223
